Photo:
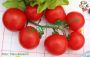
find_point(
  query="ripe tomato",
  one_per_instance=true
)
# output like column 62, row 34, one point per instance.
column 76, row 41
column 75, row 20
column 29, row 37
column 14, row 19
column 31, row 13
column 56, row 44
column 53, row 15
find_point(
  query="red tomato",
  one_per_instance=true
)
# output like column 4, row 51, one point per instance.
column 76, row 41
column 56, row 44
column 53, row 15
column 32, row 14
column 29, row 37
column 75, row 20
column 14, row 19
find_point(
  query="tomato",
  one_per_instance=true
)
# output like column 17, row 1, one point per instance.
column 53, row 15
column 76, row 41
column 75, row 20
column 56, row 44
column 29, row 37
column 14, row 19
column 31, row 13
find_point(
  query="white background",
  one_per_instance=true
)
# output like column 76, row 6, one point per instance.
column 9, row 40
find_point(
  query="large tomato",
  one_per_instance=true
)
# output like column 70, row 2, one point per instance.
column 54, row 15
column 56, row 44
column 75, row 20
column 14, row 19
column 76, row 41
column 31, row 13
column 29, row 37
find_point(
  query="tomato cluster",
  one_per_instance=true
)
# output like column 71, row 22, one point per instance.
column 15, row 20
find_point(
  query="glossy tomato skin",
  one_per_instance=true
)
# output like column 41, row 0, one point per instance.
column 29, row 37
column 75, row 20
column 76, row 41
column 14, row 19
column 56, row 44
column 53, row 15
column 31, row 13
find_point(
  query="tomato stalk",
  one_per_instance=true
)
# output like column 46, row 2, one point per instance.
column 55, row 31
column 34, row 23
column 47, row 26
column 54, row 27
column 39, row 21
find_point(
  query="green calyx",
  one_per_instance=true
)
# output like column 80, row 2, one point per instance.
column 60, row 23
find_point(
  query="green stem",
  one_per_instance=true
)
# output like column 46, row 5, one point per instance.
column 54, row 30
column 46, row 26
column 39, row 21
column 34, row 23
column 49, row 26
